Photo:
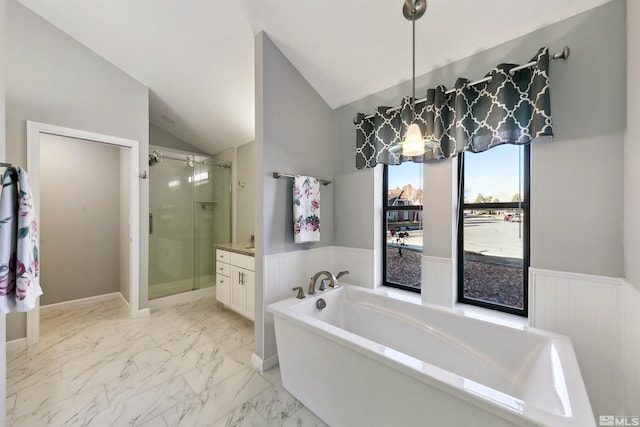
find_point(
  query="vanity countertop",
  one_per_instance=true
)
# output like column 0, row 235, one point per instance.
column 239, row 248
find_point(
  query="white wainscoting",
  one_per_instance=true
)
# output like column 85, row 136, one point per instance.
column 287, row 270
column 282, row 272
column 359, row 262
column 631, row 348
column 589, row 310
column 438, row 281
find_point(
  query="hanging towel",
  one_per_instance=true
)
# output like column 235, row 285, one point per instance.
column 27, row 261
column 8, row 222
column 306, row 209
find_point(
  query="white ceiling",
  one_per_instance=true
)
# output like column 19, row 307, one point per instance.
column 197, row 59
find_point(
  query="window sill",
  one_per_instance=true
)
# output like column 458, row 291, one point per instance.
column 401, row 294
column 492, row 316
column 467, row 310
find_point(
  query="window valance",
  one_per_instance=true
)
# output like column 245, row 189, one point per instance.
column 513, row 107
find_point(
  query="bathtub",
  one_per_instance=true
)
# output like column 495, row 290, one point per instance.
column 371, row 360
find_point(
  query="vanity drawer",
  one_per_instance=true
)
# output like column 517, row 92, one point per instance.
column 223, row 269
column 222, row 255
column 223, row 281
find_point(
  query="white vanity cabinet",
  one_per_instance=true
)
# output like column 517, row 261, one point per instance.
column 235, row 281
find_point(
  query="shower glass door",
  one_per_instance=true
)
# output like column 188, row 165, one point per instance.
column 171, row 237
column 190, row 212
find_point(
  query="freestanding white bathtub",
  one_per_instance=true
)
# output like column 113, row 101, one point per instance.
column 370, row 360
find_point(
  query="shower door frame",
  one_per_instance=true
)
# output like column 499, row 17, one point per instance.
column 34, row 129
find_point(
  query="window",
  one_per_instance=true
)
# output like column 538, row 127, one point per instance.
column 493, row 228
column 402, row 213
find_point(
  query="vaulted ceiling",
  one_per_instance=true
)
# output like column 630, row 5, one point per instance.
column 197, row 56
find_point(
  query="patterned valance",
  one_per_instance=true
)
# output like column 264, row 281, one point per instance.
column 508, row 109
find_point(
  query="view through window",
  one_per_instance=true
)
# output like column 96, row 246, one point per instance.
column 402, row 250
column 493, row 229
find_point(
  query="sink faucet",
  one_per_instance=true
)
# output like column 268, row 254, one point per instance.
column 314, row 279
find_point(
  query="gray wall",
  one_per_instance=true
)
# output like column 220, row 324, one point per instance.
column 296, row 139
column 245, row 195
column 2, row 83
column 162, row 138
column 51, row 78
column 79, row 218
column 294, row 132
column 632, row 149
column 576, row 189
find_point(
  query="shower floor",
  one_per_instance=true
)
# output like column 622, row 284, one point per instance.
column 165, row 289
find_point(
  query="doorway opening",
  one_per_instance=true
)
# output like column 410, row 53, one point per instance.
column 128, row 156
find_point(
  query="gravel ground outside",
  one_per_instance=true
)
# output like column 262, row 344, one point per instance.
column 485, row 281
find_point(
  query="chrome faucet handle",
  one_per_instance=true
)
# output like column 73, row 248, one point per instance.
column 300, row 293
column 322, row 285
column 312, row 287
column 342, row 273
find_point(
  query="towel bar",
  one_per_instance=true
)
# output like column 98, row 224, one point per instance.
column 277, row 175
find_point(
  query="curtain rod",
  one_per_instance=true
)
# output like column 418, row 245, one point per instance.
column 277, row 175
column 563, row 54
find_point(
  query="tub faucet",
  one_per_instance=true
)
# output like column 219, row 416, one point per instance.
column 314, row 279
column 342, row 273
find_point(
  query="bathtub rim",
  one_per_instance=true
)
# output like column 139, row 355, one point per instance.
column 442, row 379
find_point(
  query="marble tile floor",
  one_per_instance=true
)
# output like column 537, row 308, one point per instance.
column 185, row 365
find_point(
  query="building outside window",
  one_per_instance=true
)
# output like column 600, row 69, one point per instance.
column 493, row 228
column 402, row 213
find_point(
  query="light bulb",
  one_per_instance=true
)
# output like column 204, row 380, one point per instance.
column 413, row 144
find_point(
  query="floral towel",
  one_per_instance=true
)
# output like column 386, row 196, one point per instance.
column 8, row 223
column 19, row 275
column 27, row 261
column 306, row 209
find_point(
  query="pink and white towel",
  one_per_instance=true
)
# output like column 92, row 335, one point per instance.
column 27, row 260
column 8, row 222
column 19, row 261
column 306, row 209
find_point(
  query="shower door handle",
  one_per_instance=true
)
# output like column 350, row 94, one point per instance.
column 150, row 223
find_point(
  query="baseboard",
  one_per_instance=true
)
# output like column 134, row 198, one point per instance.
column 16, row 344
column 182, row 298
column 80, row 302
column 264, row 364
column 124, row 300
column 145, row 312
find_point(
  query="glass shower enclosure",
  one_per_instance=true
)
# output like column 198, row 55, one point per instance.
column 189, row 213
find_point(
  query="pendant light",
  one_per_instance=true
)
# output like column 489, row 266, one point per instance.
column 413, row 144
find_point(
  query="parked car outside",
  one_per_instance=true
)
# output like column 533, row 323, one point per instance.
column 514, row 218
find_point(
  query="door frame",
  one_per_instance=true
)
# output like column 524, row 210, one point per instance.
column 34, row 130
